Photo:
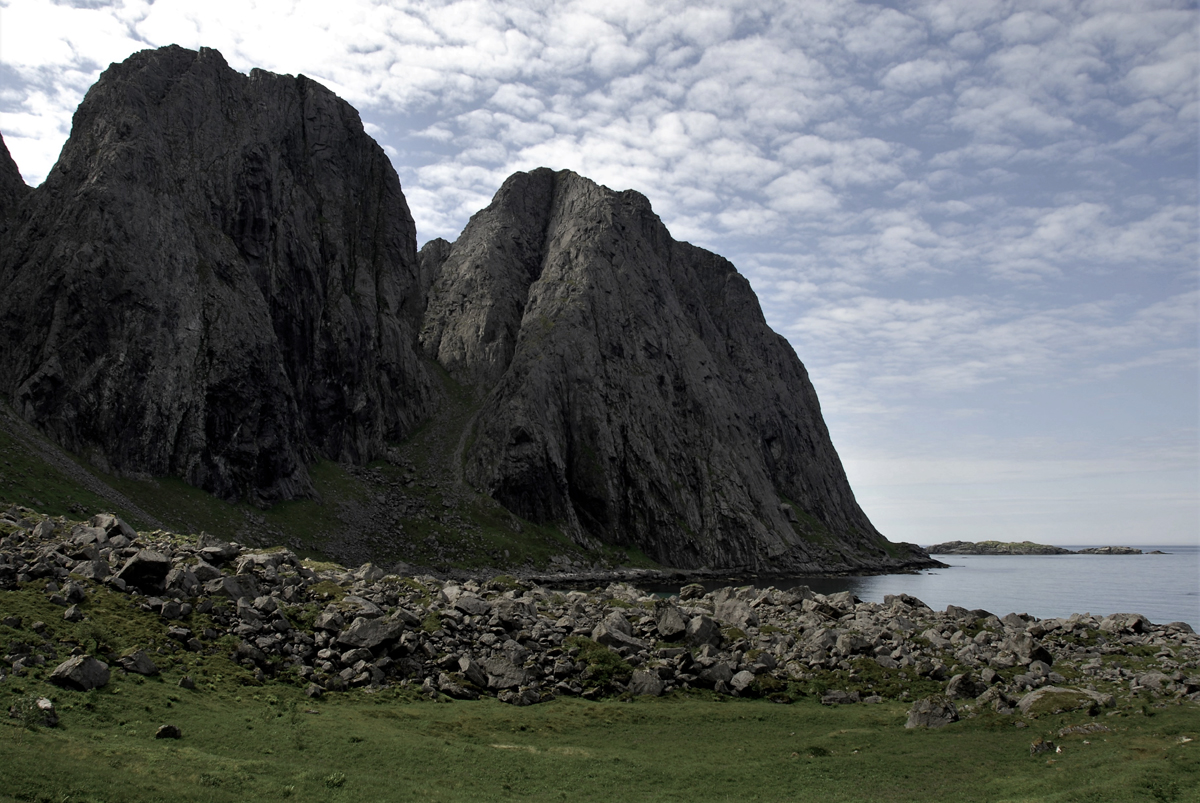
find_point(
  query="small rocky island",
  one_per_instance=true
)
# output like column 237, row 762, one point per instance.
column 1022, row 548
column 996, row 548
column 331, row 629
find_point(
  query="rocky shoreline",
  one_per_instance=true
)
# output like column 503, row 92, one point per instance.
column 332, row 629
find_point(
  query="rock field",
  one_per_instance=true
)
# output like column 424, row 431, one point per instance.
column 330, row 629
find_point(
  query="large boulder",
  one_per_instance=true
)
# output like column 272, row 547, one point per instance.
column 146, row 571
column 81, row 672
column 1056, row 699
column 931, row 712
column 370, row 633
column 669, row 621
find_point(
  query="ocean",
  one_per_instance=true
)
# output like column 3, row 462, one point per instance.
column 1164, row 588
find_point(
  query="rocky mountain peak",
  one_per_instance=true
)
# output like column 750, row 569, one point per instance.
column 221, row 281
column 632, row 387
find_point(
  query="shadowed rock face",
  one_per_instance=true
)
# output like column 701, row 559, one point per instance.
column 632, row 387
column 218, row 280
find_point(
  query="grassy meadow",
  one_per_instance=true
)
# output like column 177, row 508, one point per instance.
column 270, row 742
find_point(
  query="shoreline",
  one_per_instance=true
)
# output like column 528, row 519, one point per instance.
column 330, row 628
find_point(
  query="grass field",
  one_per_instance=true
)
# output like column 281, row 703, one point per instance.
column 271, row 742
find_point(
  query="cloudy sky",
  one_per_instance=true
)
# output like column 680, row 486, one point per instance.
column 976, row 221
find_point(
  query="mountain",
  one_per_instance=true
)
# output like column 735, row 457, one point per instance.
column 632, row 388
column 219, row 281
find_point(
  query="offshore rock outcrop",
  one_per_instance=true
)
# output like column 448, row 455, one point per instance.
column 218, row 281
column 632, row 388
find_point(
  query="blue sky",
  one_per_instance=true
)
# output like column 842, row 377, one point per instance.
column 975, row 221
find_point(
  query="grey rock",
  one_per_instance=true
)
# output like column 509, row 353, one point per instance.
column 73, row 614
column 964, row 687
column 472, row 605
column 329, row 620
column 719, row 672
column 81, row 672
column 146, row 571
column 645, row 683
column 245, row 248
column 741, row 681
column 931, row 712
column 139, row 662
column 370, row 633
column 839, row 697
column 472, row 671
column 633, row 391
column 168, row 732
column 669, row 621
column 92, row 569
column 450, row 687
column 1050, row 699
column 735, row 612
column 503, row 673
column 703, row 630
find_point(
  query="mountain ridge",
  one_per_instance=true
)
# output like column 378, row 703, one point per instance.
column 225, row 287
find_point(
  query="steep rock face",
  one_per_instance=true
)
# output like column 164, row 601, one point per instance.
column 219, row 281
column 12, row 187
column 632, row 389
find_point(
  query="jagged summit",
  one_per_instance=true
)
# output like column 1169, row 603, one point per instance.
column 219, row 281
column 633, row 387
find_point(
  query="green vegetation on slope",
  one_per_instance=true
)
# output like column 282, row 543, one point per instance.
column 412, row 507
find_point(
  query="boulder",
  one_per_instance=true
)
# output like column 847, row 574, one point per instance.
column 139, row 663
column 503, row 673
column 931, row 712
column 616, row 632
column 736, row 613
column 168, row 732
column 472, row 671
column 146, row 571
column 472, row 605
column 703, row 630
column 645, row 683
column 370, row 633
column 741, row 681
column 1057, row 699
column 964, row 687
column 81, row 672
column 669, row 621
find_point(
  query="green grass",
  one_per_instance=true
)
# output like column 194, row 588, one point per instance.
column 25, row 479
column 271, row 743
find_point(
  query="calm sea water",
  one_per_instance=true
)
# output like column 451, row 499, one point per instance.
column 1164, row 588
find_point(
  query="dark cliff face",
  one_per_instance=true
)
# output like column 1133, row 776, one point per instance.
column 632, row 387
column 12, row 187
column 218, row 280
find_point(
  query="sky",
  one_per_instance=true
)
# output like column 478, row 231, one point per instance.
column 976, row 221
